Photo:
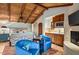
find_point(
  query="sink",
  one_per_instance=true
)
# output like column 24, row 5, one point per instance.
column 58, row 31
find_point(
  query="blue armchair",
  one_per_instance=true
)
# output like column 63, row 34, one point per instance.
column 27, row 47
column 45, row 43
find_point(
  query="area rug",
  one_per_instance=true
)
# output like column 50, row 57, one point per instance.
column 53, row 51
column 8, row 50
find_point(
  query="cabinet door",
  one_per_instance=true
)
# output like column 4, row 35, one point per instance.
column 61, row 17
column 50, row 35
column 55, row 39
column 57, row 18
column 58, row 39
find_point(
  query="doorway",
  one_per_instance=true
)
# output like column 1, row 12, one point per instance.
column 40, row 29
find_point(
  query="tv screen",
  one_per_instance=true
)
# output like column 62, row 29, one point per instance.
column 74, row 19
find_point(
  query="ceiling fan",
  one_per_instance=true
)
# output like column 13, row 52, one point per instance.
column 21, row 18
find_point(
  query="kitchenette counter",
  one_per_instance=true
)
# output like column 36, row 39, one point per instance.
column 55, row 33
column 57, row 38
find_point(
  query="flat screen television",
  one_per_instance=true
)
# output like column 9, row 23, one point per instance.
column 74, row 19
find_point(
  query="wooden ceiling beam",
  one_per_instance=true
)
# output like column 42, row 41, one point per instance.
column 30, row 14
column 9, row 11
column 38, row 16
column 41, row 5
column 22, row 10
column 64, row 5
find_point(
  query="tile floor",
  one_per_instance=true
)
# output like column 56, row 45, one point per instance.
column 2, row 46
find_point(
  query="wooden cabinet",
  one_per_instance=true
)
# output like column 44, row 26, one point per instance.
column 57, row 18
column 50, row 35
column 56, row 38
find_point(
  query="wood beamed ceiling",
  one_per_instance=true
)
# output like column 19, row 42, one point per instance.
column 26, row 12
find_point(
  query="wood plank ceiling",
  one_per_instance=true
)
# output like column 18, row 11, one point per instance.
column 26, row 12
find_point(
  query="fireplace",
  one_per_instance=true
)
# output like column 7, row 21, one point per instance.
column 75, row 37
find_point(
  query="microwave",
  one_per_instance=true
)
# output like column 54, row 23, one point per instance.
column 59, row 24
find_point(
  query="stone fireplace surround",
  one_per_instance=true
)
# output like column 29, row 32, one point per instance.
column 69, row 47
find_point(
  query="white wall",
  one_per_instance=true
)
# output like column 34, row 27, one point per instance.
column 35, row 25
column 27, row 26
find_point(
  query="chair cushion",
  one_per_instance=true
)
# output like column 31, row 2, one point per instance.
column 33, row 51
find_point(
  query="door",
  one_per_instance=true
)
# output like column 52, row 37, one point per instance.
column 39, row 28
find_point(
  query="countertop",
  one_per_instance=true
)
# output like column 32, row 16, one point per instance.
column 55, row 33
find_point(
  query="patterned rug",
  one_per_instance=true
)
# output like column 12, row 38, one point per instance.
column 11, row 51
column 8, row 50
column 53, row 51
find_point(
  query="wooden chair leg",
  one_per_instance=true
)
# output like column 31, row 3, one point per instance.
column 9, row 43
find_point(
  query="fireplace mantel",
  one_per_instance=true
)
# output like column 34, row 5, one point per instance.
column 70, row 48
